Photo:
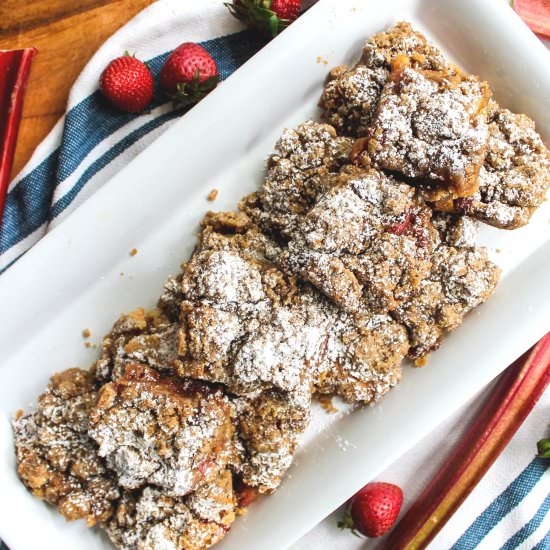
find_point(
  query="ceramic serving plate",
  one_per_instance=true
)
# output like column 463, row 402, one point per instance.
column 81, row 274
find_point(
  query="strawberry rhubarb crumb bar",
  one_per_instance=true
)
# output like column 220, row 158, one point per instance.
column 432, row 125
column 274, row 341
column 149, row 519
column 56, row 458
column 365, row 243
column 461, row 278
column 296, row 176
column 351, row 96
column 163, row 431
column 514, row 180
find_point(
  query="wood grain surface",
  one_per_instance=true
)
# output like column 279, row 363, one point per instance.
column 66, row 34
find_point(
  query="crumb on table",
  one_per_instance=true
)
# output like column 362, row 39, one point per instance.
column 133, row 252
column 212, row 195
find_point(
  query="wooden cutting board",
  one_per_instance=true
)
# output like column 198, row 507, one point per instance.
column 66, row 34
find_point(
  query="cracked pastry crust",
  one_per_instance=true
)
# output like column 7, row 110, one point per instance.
column 351, row 96
column 432, row 124
column 146, row 337
column 462, row 277
column 296, row 176
column 274, row 342
column 515, row 177
column 365, row 243
column 270, row 427
column 163, row 431
column 151, row 520
column 56, row 459
column 277, row 333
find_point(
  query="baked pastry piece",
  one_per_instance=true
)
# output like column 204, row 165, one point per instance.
column 365, row 243
column 270, row 426
column 351, row 96
column 151, row 520
column 515, row 177
column 243, row 323
column 251, row 327
column 461, row 278
column 296, row 176
column 432, row 125
column 163, row 431
column 274, row 341
column 146, row 337
column 56, row 459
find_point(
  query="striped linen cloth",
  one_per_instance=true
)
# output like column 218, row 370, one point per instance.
column 509, row 508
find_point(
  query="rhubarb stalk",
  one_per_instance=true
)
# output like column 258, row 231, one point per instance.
column 516, row 393
column 14, row 72
column 536, row 13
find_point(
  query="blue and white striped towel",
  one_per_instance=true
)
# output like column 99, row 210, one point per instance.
column 509, row 508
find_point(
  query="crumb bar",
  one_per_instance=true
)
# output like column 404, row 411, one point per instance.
column 151, row 520
column 365, row 243
column 515, row 177
column 144, row 337
column 295, row 176
column 163, row 431
column 462, row 277
column 56, row 459
column 351, row 96
column 432, row 125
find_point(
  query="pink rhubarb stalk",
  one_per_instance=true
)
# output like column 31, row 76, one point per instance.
column 536, row 13
column 14, row 71
column 516, row 393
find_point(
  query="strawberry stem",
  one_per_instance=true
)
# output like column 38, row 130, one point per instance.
column 543, row 447
column 347, row 521
column 188, row 93
column 257, row 14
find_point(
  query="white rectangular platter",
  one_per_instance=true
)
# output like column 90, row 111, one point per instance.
column 72, row 278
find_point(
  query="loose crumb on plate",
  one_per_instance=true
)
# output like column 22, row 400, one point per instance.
column 212, row 195
column 88, row 344
column 133, row 252
column 326, row 402
column 86, row 333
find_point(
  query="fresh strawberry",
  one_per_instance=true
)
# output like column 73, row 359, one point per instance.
column 127, row 83
column 189, row 73
column 269, row 16
column 373, row 510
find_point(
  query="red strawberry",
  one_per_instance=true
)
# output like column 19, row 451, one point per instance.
column 189, row 73
column 286, row 9
column 127, row 83
column 269, row 16
column 373, row 510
